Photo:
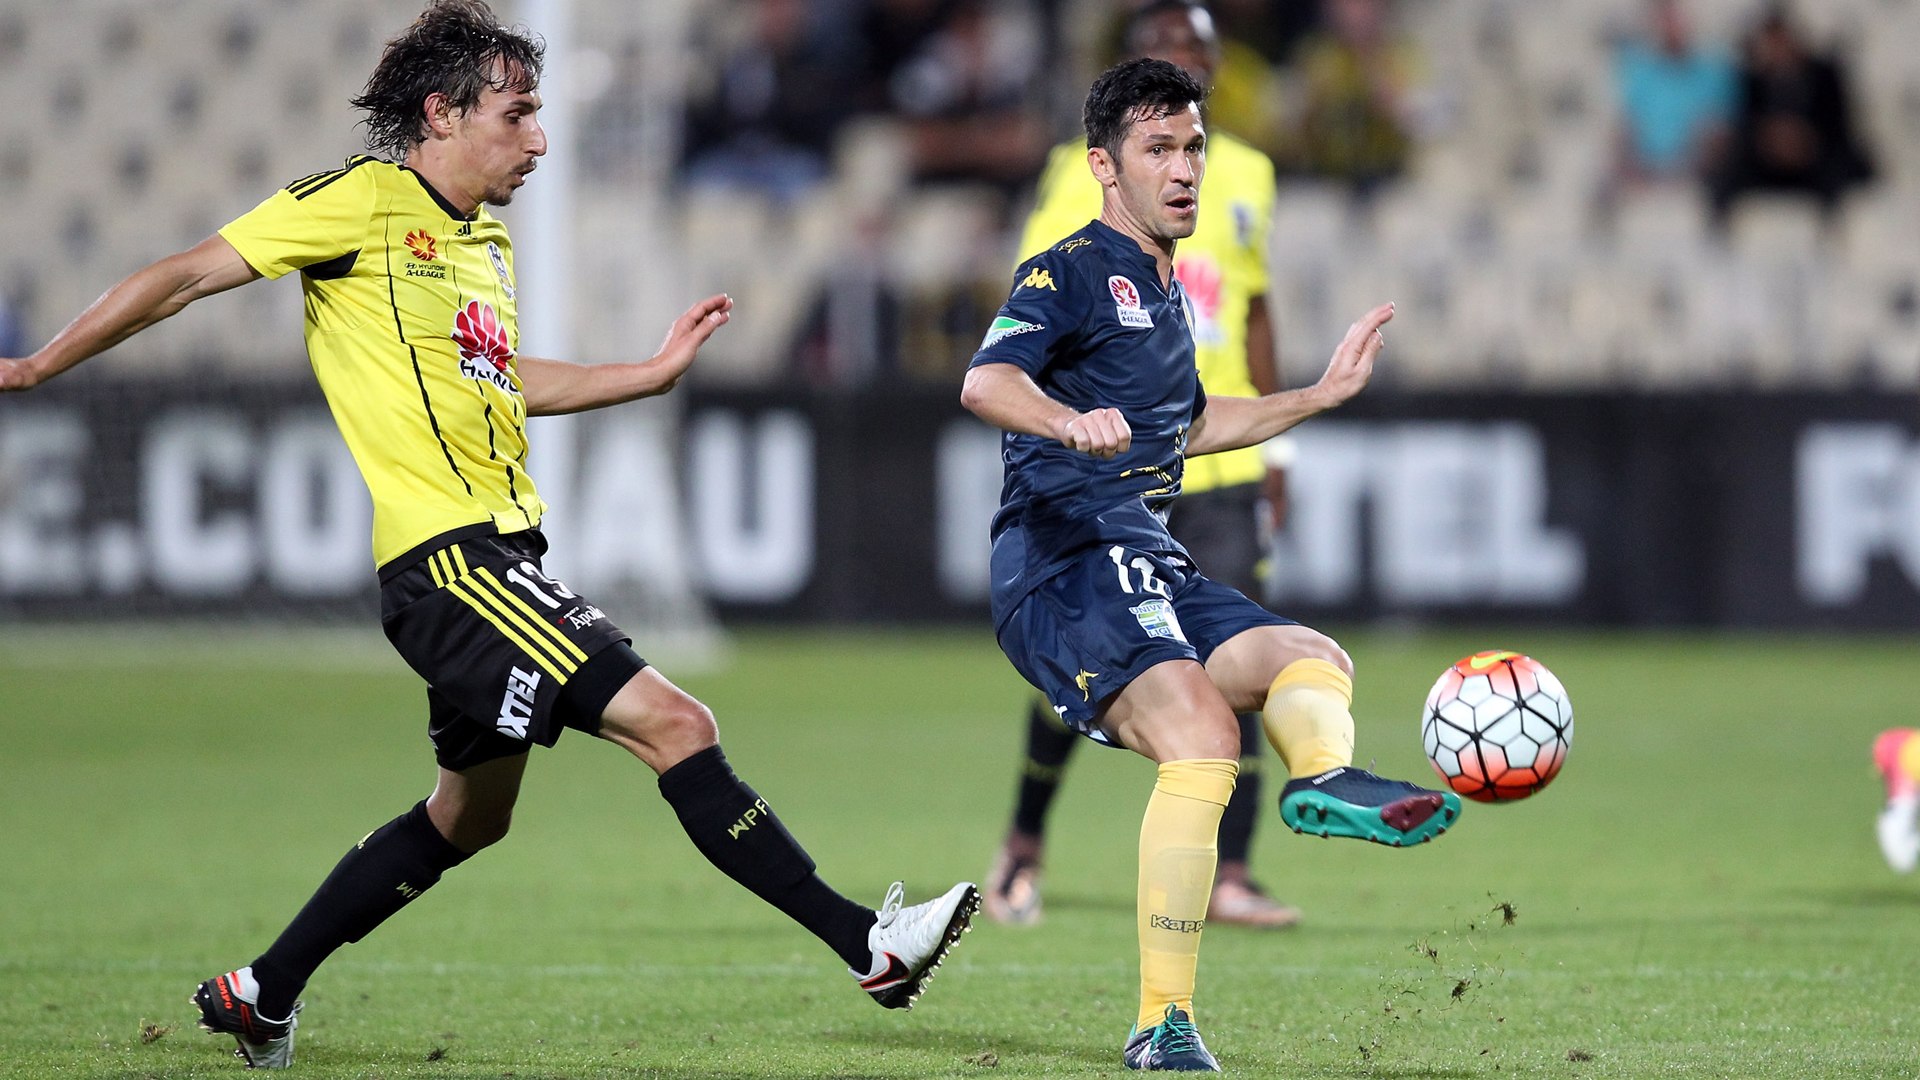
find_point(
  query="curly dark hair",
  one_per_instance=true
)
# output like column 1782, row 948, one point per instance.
column 457, row 48
column 1135, row 90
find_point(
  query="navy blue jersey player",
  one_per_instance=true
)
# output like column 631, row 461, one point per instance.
column 1092, row 322
column 1089, row 369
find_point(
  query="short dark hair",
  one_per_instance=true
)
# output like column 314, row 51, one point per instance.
column 1135, row 90
column 457, row 48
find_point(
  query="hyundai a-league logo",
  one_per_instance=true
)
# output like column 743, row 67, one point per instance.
column 1126, row 302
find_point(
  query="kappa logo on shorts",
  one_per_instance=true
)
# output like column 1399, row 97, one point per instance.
column 516, row 710
column 1126, row 303
column 1158, row 620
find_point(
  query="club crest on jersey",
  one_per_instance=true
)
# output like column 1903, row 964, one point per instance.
column 1004, row 328
column 500, row 267
column 484, row 352
column 1126, row 302
column 1158, row 620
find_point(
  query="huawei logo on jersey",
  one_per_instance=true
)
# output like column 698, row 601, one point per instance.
column 484, row 351
column 1200, row 277
column 1201, row 284
column 422, row 246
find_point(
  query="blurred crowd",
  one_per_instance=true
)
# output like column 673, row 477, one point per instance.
column 1328, row 88
column 1772, row 113
column 1565, row 193
column 1358, row 97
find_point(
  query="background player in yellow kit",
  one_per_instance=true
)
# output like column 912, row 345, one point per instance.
column 411, row 326
column 1223, row 267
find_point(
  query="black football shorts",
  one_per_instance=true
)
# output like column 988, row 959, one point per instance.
column 511, row 656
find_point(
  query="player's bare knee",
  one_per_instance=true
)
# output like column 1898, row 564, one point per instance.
column 689, row 723
column 1318, row 646
column 664, row 731
column 469, row 826
column 482, row 830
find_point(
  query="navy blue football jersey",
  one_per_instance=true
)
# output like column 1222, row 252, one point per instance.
column 1089, row 322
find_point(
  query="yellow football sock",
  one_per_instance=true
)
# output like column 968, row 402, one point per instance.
column 1178, row 851
column 1308, row 717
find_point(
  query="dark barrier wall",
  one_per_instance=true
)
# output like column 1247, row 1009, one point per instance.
column 125, row 498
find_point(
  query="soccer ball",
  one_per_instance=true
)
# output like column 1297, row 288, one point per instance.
column 1497, row 726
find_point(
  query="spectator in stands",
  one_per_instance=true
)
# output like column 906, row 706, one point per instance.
column 767, row 118
column 1794, row 128
column 1272, row 29
column 1676, row 101
column 1362, row 96
column 892, row 32
column 969, row 96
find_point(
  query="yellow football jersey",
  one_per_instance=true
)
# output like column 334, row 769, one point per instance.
column 1223, row 265
column 411, row 328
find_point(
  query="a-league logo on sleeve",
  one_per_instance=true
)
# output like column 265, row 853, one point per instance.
column 1126, row 303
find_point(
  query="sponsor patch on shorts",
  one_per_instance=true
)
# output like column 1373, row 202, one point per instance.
column 1158, row 620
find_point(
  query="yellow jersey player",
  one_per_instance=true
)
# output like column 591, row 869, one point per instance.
column 1223, row 267
column 412, row 329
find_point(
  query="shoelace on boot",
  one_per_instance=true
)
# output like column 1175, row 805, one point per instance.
column 890, row 907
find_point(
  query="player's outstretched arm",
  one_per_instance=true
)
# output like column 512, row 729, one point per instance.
column 1231, row 423
column 555, row 386
column 145, row 297
column 1007, row 397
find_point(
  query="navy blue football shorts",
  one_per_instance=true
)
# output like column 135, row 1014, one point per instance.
column 1088, row 631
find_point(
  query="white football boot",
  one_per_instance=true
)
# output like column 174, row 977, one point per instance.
column 909, row 943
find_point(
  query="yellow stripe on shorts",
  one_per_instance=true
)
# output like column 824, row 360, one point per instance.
column 487, row 589
column 556, row 667
column 485, row 577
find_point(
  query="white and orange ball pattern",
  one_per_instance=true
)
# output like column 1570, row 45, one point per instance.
column 1497, row 726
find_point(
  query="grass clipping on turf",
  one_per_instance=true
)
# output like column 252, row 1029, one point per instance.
column 1451, row 972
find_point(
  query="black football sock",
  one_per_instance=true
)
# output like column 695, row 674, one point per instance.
column 1236, row 824
column 738, row 833
column 1049, row 744
column 382, row 874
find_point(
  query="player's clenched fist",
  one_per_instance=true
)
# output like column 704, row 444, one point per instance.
column 1100, row 432
column 16, row 375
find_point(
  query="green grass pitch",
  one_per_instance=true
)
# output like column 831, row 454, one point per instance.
column 1698, row 895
